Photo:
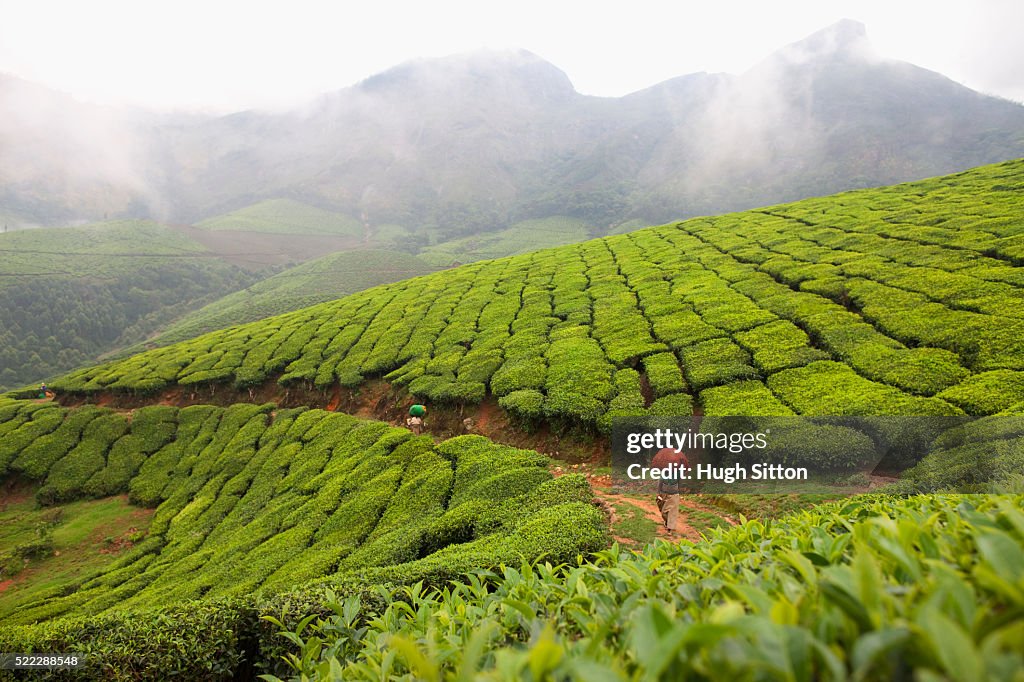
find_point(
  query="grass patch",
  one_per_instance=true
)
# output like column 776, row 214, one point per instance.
column 702, row 521
column 85, row 536
column 632, row 524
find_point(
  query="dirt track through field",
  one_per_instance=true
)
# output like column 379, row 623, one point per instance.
column 683, row 528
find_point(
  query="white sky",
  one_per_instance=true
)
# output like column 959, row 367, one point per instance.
column 228, row 55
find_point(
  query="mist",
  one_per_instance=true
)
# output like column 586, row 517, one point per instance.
column 477, row 141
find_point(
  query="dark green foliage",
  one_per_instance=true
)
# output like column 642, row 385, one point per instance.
column 43, row 452
column 37, row 424
column 68, row 476
column 980, row 466
column 157, row 471
column 526, row 404
column 879, row 569
column 88, row 304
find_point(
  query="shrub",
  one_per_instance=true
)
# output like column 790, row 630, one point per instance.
column 525, row 404
column 42, row 423
column 906, row 551
column 988, row 392
column 566, row 406
column 519, row 374
column 779, row 345
column 744, row 399
column 830, row 388
column 715, row 362
column 676, row 405
column 684, row 329
column 37, row 458
column 664, row 374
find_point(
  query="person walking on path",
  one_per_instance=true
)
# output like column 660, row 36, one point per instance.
column 668, row 488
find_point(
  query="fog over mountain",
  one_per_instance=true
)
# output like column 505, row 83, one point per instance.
column 477, row 141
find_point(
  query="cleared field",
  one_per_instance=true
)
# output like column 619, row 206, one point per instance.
column 285, row 216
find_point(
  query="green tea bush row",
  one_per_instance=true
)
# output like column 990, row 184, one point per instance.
column 246, row 501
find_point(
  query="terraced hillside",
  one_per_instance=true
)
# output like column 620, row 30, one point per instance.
column 899, row 300
column 522, row 237
column 251, row 498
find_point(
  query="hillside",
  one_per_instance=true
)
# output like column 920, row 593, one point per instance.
column 523, row 237
column 249, row 497
column 283, row 216
column 316, row 281
column 69, row 295
column 899, row 300
column 395, row 556
column 861, row 590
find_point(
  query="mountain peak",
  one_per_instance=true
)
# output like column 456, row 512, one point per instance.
column 455, row 71
column 845, row 39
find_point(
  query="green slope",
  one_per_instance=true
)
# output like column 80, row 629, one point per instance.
column 888, row 301
column 898, row 300
column 317, row 281
column 285, row 216
column 874, row 589
column 69, row 295
column 252, row 498
column 522, row 237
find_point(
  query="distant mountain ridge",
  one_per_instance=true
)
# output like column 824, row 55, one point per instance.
column 471, row 143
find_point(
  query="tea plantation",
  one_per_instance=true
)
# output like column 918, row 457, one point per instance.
column 249, row 499
column 316, row 281
column 926, row 588
column 312, row 544
column 900, row 300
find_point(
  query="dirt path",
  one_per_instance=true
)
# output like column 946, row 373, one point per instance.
column 335, row 401
column 683, row 530
column 171, row 397
column 484, row 416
